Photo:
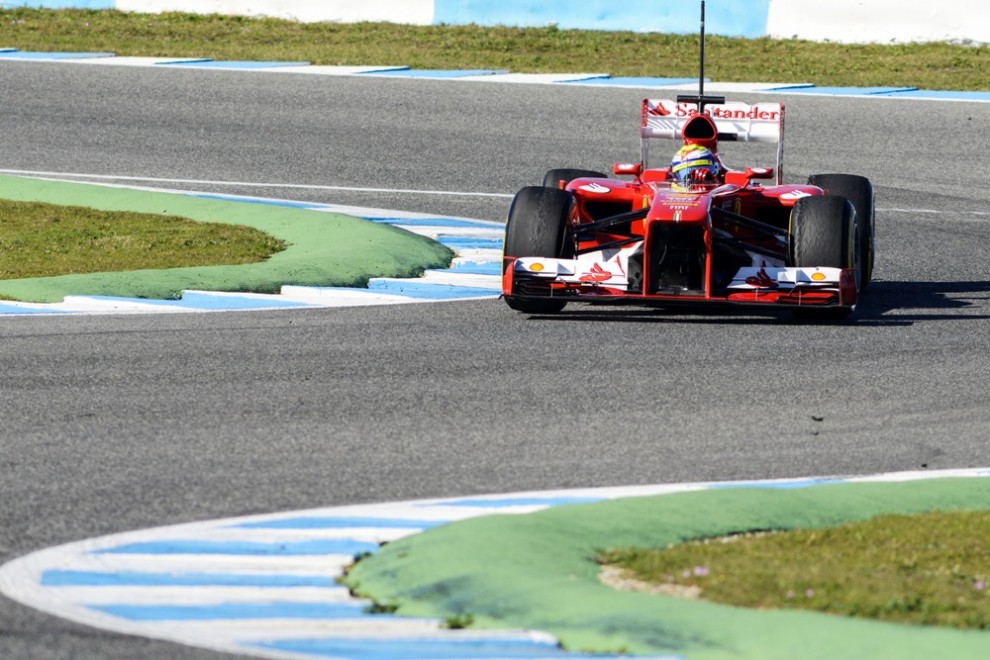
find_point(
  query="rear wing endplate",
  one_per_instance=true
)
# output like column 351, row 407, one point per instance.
column 735, row 122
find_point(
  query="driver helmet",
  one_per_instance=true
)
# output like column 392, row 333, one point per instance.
column 694, row 163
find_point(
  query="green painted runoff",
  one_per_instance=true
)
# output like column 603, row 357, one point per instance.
column 538, row 571
column 324, row 249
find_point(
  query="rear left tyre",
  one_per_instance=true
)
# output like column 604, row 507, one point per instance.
column 859, row 191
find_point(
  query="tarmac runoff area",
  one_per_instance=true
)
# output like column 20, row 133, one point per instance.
column 265, row 585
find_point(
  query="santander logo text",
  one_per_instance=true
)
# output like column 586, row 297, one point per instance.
column 730, row 112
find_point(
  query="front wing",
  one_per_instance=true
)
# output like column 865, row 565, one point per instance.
column 599, row 280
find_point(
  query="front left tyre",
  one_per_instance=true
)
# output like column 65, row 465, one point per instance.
column 823, row 234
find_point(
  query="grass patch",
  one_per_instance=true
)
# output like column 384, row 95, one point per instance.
column 544, row 49
column 458, row 621
column 931, row 569
column 42, row 240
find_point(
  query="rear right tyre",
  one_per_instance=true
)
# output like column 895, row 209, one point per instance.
column 539, row 226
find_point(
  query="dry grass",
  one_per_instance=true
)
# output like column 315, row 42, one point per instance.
column 547, row 49
column 40, row 240
column 932, row 569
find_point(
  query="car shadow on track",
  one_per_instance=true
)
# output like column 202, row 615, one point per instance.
column 907, row 302
column 885, row 303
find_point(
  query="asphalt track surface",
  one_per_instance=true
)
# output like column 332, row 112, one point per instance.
column 119, row 423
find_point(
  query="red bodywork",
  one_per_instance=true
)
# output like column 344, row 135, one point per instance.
column 650, row 241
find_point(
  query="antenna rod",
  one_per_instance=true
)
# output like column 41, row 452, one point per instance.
column 701, row 100
column 701, row 73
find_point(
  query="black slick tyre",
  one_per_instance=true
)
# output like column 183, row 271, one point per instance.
column 553, row 178
column 859, row 191
column 823, row 234
column 538, row 226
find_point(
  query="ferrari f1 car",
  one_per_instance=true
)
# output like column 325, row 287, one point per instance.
column 586, row 237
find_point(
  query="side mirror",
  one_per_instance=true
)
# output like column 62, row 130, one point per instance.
column 632, row 169
column 759, row 172
column 743, row 178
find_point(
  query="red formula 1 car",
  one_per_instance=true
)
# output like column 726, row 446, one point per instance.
column 586, row 237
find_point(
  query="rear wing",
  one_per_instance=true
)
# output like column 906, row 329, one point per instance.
column 735, row 122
